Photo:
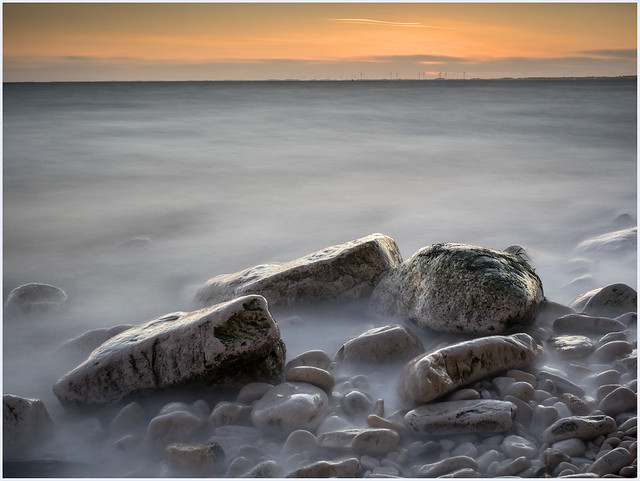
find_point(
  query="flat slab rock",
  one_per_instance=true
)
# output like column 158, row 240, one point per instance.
column 229, row 344
column 342, row 272
column 485, row 416
column 435, row 374
column 461, row 288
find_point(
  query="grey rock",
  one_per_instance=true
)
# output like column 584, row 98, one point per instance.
column 428, row 377
column 265, row 469
column 226, row 413
column 512, row 467
column 357, row 402
column 612, row 462
column 197, row 458
column 236, row 342
column 289, row 407
column 611, row 351
column 612, row 300
column 618, row 401
column 314, row 358
column 581, row 323
column 35, row 298
column 346, row 468
column 484, row 416
column 461, row 288
column 448, row 465
column 581, row 427
column 172, row 427
column 570, row 347
column 342, row 272
column 516, row 446
column 298, row 441
column 370, row 441
column 252, row 392
column 624, row 240
column 81, row 346
column 25, row 423
column 375, row 421
column 312, row 375
column 128, row 420
column 385, row 344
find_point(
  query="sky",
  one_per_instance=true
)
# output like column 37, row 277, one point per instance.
column 340, row 41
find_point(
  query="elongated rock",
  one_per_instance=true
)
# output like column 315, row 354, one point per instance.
column 448, row 465
column 361, row 440
column 459, row 287
column 581, row 323
column 485, row 416
column 342, row 272
column 581, row 427
column 346, row 468
column 229, row 344
column 428, row 377
column 381, row 345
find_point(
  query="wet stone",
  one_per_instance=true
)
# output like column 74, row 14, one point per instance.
column 612, row 462
column 579, row 323
column 198, row 457
column 315, row 358
column 516, row 446
column 361, row 440
column 461, row 417
column 618, row 401
column 387, row 344
column 298, row 441
column 571, row 447
column 175, row 426
column 512, row 467
column 582, row 427
column 312, row 375
column 128, row 420
column 225, row 413
column 611, row 351
column 252, row 392
column 347, row 468
column 612, row 300
column 570, row 346
column 290, row 406
column 445, row 466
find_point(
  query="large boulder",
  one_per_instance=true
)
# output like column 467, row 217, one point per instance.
column 433, row 375
column 342, row 272
column 25, row 423
column 35, row 298
column 461, row 288
column 229, row 344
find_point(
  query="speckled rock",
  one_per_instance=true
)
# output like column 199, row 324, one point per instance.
column 25, row 422
column 198, row 458
column 428, row 377
column 385, row 344
column 570, row 347
column 448, row 465
column 229, row 344
column 289, row 407
column 346, row 468
column 370, row 441
column 458, row 287
column 612, row 462
column 485, row 416
column 342, row 272
column 609, row 301
column 581, row 427
column 581, row 323
column 618, row 401
column 35, row 298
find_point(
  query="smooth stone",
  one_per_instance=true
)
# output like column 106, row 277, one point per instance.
column 343, row 272
column 524, row 411
column 375, row 421
column 461, row 473
column 198, row 457
column 612, row 462
column 315, row 358
column 521, row 390
column 225, row 413
column 612, row 300
column 347, row 468
column 571, row 447
column 618, row 401
column 610, row 376
column 552, row 457
column 387, row 344
column 128, row 442
column 582, row 427
column 433, row 375
column 332, row 423
column 463, row 394
column 298, row 441
column 563, row 409
column 570, row 346
column 623, row 240
column 516, row 446
column 176, row 426
column 611, row 351
column 357, row 402
column 252, row 392
column 542, row 418
column 466, row 449
column 483, row 416
column 561, row 382
column 628, row 318
column 79, row 347
column 25, row 423
column 265, row 469
column 128, row 420
column 484, row 460
column 288, row 407
column 579, row 323
column 612, row 336
column 238, row 466
column 448, row 465
column 461, row 288
column 312, row 375
column 177, row 406
column 522, row 376
column 513, row 467
column 361, row 440
column 35, row 298
column 236, row 342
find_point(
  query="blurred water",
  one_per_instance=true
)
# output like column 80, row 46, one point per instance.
column 222, row 176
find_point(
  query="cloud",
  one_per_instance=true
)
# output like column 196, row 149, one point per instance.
column 368, row 21
column 612, row 53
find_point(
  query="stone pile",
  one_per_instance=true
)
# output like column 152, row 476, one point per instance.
column 557, row 400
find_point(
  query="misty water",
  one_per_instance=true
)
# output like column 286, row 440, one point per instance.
column 221, row 176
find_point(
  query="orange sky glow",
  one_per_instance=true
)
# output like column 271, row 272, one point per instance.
column 216, row 41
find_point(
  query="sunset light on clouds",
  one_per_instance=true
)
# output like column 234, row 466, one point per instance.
column 216, row 41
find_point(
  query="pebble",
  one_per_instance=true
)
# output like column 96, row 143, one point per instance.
column 612, row 462
column 562, row 383
column 621, row 399
column 225, row 413
column 461, row 473
column 577, row 406
column 375, row 421
column 461, row 417
column 315, row 358
column 486, row 459
column 387, row 344
column 521, row 390
column 265, row 469
column 609, row 376
column 512, row 467
column 571, row 447
column 542, row 418
column 253, row 391
column 288, row 407
column 174, row 426
column 357, row 402
column 522, row 376
column 570, row 346
column 465, row 449
column 516, row 446
column 312, row 375
column 196, row 457
column 448, row 465
column 611, row 351
column 552, row 457
column 582, row 427
column 580, row 323
column 128, row 420
column 524, row 411
column 298, row 441
column 463, row 394
column 360, row 440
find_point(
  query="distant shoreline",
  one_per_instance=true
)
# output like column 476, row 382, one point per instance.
column 383, row 80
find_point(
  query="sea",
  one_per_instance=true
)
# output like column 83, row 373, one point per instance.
column 130, row 195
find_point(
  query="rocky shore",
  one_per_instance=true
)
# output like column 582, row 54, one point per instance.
column 470, row 372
